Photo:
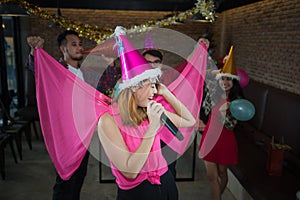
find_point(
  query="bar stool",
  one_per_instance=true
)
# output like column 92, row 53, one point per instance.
column 16, row 125
column 4, row 140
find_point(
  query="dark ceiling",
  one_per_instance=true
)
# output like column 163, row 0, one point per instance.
column 150, row 5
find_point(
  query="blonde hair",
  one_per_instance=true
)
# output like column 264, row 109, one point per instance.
column 131, row 114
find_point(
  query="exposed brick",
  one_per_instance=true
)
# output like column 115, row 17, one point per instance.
column 266, row 36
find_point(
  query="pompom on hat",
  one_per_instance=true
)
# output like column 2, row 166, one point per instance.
column 229, row 69
column 134, row 67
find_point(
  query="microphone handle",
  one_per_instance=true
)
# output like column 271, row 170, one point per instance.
column 169, row 124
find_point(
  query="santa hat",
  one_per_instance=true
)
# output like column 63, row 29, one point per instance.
column 134, row 67
column 229, row 69
column 149, row 44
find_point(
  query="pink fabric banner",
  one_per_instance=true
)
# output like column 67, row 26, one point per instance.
column 69, row 110
column 188, row 88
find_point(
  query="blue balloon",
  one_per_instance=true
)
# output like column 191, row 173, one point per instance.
column 242, row 109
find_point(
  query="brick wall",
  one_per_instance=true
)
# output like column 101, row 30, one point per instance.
column 266, row 36
column 103, row 18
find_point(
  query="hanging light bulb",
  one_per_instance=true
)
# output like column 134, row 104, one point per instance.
column 12, row 10
column 198, row 17
column 58, row 14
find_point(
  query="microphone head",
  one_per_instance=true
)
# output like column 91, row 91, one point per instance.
column 179, row 135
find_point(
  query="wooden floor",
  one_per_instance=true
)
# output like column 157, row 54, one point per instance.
column 33, row 178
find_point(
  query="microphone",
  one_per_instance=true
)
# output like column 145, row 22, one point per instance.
column 169, row 124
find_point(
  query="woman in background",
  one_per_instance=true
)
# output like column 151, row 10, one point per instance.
column 218, row 147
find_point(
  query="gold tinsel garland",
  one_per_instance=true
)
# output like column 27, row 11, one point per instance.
column 93, row 32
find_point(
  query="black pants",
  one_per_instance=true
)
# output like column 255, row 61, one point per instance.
column 70, row 189
column 170, row 156
column 147, row 191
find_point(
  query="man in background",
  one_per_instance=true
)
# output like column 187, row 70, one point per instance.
column 70, row 45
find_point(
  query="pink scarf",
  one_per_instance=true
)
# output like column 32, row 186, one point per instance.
column 188, row 89
column 69, row 108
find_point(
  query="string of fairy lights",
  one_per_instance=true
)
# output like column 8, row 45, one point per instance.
column 94, row 32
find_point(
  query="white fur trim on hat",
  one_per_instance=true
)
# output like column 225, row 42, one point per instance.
column 148, row 74
column 218, row 76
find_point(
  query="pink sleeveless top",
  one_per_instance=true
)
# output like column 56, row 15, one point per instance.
column 154, row 167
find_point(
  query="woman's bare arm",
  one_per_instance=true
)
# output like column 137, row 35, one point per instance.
column 183, row 117
column 129, row 163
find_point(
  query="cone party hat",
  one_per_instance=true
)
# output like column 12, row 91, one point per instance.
column 229, row 69
column 149, row 44
column 134, row 67
column 105, row 48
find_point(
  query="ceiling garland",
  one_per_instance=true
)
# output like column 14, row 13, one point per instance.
column 93, row 32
